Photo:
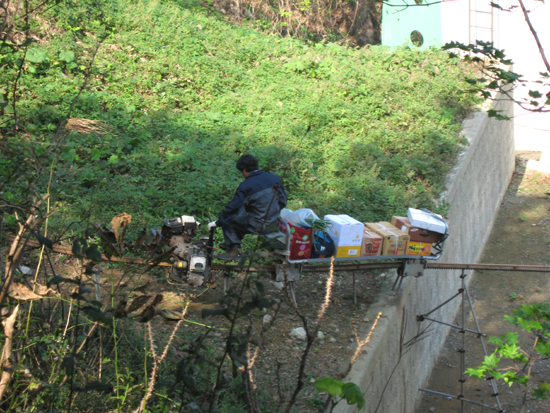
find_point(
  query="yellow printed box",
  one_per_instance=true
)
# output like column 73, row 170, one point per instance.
column 419, row 248
column 343, row 252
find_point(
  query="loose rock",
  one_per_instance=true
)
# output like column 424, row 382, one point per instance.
column 279, row 285
column 298, row 333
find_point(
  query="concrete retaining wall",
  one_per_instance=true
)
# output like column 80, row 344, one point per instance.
column 475, row 189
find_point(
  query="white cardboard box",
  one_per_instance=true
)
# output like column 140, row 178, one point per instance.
column 427, row 221
column 345, row 230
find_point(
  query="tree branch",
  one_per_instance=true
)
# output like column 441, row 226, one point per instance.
column 6, row 361
column 541, row 51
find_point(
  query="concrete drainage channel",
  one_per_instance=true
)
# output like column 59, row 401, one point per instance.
column 398, row 361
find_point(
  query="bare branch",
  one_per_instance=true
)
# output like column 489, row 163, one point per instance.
column 6, row 361
column 541, row 51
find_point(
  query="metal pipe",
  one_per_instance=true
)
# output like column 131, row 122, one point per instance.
column 422, row 318
column 442, row 304
column 451, row 396
column 493, row 381
column 463, row 350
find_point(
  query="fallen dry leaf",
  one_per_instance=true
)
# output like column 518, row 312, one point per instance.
column 22, row 293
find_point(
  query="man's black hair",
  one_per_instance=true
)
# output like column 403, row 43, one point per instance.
column 247, row 163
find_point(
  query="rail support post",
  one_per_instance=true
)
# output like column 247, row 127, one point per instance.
column 413, row 268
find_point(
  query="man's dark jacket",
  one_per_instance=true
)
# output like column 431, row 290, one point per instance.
column 257, row 202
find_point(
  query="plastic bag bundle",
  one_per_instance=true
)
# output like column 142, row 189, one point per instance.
column 298, row 217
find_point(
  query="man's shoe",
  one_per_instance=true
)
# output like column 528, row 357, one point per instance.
column 235, row 252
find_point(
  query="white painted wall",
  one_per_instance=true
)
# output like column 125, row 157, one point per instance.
column 459, row 19
column 454, row 21
column 511, row 33
column 532, row 130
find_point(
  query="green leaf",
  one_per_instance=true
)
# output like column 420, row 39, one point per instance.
column 96, row 154
column 77, row 248
column 495, row 114
column 353, row 395
column 98, row 386
column 58, row 279
column 329, row 385
column 93, row 253
column 542, row 392
column 68, row 364
column 535, row 94
column 190, row 383
column 207, row 312
column 478, row 372
column 166, row 383
column 68, row 154
column 43, row 240
column 36, row 55
column 113, row 160
column 543, row 348
column 510, row 351
column 78, row 296
column 96, row 315
column 67, row 56
column 491, row 361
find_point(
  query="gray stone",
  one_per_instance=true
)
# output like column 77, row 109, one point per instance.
column 298, row 333
column 25, row 270
column 279, row 285
column 320, row 335
column 267, row 319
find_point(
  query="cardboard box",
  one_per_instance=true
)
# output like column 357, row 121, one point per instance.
column 344, row 252
column 425, row 220
column 416, row 234
column 371, row 244
column 419, row 248
column 394, row 241
column 344, row 230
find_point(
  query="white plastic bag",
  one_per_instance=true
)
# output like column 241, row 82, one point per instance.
column 299, row 216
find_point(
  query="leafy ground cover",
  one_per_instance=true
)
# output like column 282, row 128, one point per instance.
column 178, row 93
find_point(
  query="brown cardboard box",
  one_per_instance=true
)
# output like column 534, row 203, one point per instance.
column 372, row 243
column 394, row 241
column 416, row 234
column 419, row 248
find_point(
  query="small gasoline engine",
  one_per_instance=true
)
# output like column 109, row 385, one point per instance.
column 190, row 259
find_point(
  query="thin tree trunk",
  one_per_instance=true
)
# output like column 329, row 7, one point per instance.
column 6, row 361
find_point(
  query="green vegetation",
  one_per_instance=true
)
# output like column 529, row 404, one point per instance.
column 179, row 93
column 512, row 363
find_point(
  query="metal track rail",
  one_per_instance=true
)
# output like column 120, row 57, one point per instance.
column 398, row 263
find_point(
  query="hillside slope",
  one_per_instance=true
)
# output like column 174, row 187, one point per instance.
column 180, row 93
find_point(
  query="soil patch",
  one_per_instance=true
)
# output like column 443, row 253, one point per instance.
column 279, row 356
column 520, row 236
